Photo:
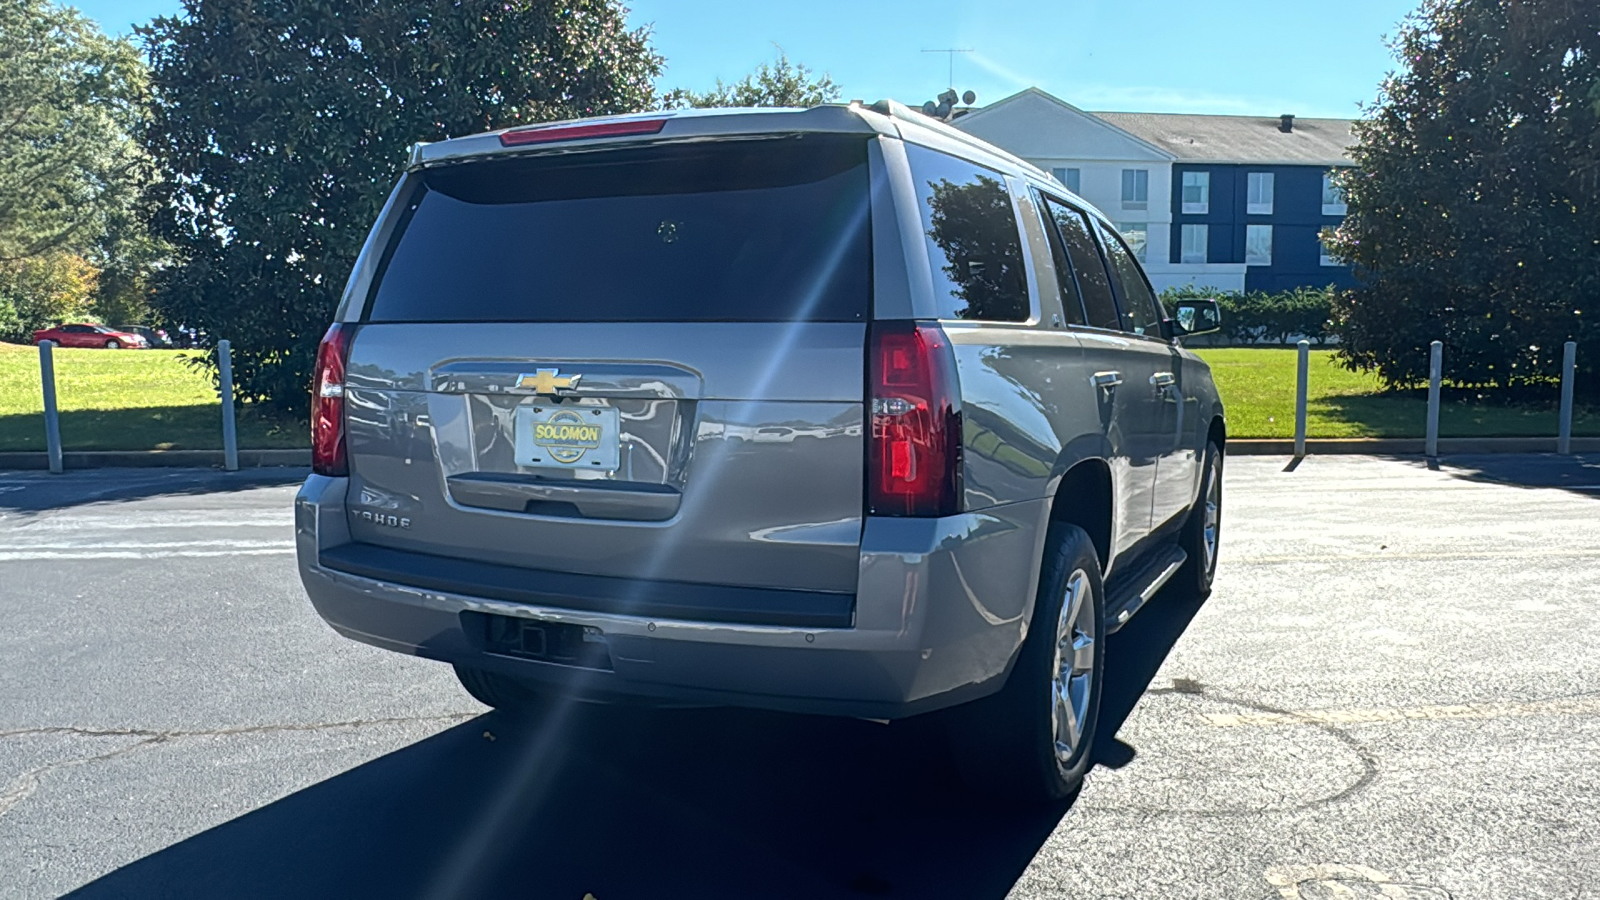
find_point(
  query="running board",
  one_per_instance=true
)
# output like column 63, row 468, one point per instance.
column 1131, row 594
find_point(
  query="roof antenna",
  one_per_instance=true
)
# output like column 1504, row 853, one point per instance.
column 951, row 52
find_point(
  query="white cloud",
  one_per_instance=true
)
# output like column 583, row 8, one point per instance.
column 1015, row 79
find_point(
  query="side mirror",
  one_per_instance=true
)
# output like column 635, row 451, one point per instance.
column 1195, row 317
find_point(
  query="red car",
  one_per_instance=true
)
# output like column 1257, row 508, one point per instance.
column 90, row 336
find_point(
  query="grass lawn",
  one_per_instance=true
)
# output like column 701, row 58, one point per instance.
column 126, row 400
column 1257, row 387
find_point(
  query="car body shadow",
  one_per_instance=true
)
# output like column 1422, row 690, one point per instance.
column 33, row 492
column 646, row 803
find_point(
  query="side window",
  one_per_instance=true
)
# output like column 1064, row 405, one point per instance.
column 78, row 329
column 1071, row 303
column 973, row 242
column 1094, row 285
column 1138, row 302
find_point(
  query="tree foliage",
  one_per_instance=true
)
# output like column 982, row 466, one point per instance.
column 778, row 83
column 70, row 101
column 281, row 126
column 43, row 290
column 1474, row 213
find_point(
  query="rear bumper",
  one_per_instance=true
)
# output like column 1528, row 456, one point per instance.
column 940, row 610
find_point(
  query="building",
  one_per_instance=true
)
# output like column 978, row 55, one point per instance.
column 1231, row 202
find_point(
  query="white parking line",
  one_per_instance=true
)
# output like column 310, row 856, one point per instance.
column 19, row 556
column 146, row 521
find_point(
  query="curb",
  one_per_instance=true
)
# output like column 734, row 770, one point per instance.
column 1406, row 446
column 102, row 459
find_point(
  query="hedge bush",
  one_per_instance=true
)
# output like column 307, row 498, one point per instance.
column 1259, row 317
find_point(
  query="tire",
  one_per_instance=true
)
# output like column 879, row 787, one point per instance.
column 113, row 344
column 1008, row 744
column 1200, row 569
column 499, row 692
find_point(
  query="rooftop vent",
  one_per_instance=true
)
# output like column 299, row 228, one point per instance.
column 1286, row 123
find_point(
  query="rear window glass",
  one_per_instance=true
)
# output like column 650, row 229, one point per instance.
column 769, row 230
column 973, row 242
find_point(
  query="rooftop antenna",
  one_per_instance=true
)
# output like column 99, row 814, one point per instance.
column 951, row 52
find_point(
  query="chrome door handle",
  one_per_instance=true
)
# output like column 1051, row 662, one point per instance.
column 1163, row 379
column 1105, row 381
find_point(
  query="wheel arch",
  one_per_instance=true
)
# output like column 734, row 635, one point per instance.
column 1084, row 496
column 1218, row 431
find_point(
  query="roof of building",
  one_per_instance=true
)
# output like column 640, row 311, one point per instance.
column 1240, row 139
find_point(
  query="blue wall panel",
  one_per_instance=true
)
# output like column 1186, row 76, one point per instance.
column 1296, row 218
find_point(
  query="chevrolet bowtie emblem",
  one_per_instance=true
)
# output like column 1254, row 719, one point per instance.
column 548, row 381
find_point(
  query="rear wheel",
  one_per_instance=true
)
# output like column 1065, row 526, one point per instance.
column 1032, row 741
column 1202, row 532
column 113, row 344
column 498, row 691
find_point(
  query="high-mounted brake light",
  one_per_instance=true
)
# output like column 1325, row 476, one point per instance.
column 545, row 134
column 327, row 402
column 914, row 455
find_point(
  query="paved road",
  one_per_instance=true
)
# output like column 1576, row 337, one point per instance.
column 1394, row 692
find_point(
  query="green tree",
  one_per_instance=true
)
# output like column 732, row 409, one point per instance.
column 778, row 83
column 70, row 101
column 43, row 290
column 280, row 127
column 1474, row 213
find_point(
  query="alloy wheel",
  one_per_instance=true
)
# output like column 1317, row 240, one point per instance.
column 1073, row 682
column 1213, row 512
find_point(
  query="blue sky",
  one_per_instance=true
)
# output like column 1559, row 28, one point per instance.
column 1259, row 57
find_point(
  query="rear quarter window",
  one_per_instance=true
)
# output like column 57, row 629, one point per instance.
column 973, row 243
column 749, row 230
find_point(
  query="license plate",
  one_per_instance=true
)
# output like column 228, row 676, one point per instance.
column 568, row 437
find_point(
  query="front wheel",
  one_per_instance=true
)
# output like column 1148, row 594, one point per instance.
column 113, row 344
column 1032, row 741
column 1202, row 532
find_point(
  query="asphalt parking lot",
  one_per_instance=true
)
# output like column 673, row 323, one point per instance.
column 1394, row 692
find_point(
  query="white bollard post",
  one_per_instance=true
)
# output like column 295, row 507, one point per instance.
column 1302, row 373
column 1435, row 370
column 1569, row 370
column 52, row 419
column 230, row 439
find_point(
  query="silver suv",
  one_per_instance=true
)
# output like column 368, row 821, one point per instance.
column 836, row 411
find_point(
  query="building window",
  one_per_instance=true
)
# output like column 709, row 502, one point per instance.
column 1068, row 177
column 1258, row 244
column 1328, row 259
column 1196, row 192
column 1193, row 248
column 1137, row 234
column 1135, row 188
column 1259, row 203
column 1332, row 196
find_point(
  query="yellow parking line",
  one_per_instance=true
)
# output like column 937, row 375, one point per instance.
column 1572, row 706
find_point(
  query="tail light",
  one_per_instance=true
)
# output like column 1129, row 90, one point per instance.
column 327, row 402
column 914, row 455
